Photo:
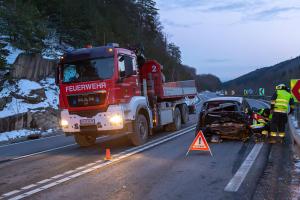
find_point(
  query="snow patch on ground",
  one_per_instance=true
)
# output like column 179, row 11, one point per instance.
column 13, row 53
column 26, row 86
column 17, row 134
column 51, row 91
column 23, row 87
column 7, row 89
column 17, row 106
column 54, row 48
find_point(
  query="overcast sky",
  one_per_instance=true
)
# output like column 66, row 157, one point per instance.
column 232, row 37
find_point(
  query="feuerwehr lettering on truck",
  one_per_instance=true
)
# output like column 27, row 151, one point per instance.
column 85, row 87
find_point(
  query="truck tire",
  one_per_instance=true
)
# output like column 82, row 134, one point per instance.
column 176, row 125
column 141, row 130
column 84, row 140
column 184, row 113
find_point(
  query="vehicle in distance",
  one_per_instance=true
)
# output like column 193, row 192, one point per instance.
column 225, row 117
column 192, row 102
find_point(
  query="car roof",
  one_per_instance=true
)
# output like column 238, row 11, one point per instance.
column 238, row 99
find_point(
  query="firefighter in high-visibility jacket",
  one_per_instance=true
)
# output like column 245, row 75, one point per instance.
column 266, row 117
column 282, row 104
column 261, row 125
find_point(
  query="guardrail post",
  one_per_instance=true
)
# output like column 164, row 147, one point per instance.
column 297, row 117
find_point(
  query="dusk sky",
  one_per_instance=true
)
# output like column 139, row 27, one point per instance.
column 232, row 37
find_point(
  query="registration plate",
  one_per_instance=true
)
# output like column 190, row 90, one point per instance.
column 87, row 122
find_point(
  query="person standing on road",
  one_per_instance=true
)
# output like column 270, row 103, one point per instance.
column 282, row 104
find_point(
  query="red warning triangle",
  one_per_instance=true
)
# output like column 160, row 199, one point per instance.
column 199, row 144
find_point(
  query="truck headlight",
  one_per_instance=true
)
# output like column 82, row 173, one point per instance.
column 116, row 119
column 64, row 123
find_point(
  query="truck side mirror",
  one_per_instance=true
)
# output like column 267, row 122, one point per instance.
column 128, row 66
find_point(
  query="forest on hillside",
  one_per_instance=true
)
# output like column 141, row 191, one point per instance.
column 266, row 77
column 38, row 25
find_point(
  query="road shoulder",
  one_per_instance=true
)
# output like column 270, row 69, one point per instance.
column 276, row 180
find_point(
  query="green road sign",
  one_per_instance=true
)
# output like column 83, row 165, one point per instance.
column 261, row 91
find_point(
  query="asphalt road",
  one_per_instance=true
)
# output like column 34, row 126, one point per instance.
column 59, row 169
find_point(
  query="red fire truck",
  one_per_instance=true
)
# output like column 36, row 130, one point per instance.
column 104, row 91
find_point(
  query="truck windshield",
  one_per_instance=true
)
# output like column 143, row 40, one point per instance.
column 88, row 70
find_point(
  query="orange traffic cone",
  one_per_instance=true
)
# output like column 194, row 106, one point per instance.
column 107, row 154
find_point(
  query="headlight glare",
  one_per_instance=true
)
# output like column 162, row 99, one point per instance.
column 116, row 119
column 64, row 123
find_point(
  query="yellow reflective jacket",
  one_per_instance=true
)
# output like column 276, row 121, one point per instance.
column 281, row 103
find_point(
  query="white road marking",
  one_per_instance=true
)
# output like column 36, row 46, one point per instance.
column 44, row 181
column 98, row 164
column 28, row 187
column 10, row 193
column 57, row 176
column 236, row 181
column 69, row 172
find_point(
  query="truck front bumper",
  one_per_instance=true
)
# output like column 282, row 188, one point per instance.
column 111, row 120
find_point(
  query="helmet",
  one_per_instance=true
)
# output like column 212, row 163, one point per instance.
column 281, row 87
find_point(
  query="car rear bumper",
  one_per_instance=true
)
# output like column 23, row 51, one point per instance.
column 230, row 130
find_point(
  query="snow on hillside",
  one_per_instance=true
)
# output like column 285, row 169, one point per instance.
column 16, row 134
column 54, row 48
column 24, row 87
column 13, row 53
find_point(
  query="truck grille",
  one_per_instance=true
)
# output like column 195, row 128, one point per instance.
column 88, row 99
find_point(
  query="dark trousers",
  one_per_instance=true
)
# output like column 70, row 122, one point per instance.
column 278, row 122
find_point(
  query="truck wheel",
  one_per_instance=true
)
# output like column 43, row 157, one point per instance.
column 84, row 140
column 176, row 125
column 141, row 129
column 184, row 113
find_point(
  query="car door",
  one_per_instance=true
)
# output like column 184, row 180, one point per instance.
column 246, row 109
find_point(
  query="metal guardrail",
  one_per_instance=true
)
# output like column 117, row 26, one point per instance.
column 294, row 127
column 297, row 113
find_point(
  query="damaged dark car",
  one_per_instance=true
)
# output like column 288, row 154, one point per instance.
column 225, row 118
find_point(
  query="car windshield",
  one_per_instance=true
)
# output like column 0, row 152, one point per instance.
column 222, row 106
column 88, row 70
